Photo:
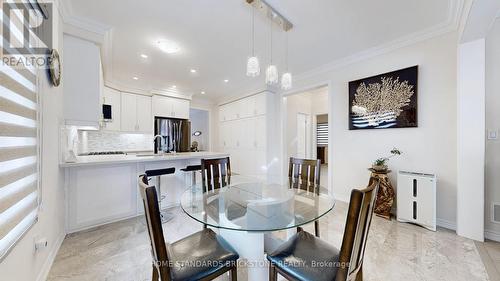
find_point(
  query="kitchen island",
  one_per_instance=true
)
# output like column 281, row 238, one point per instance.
column 101, row 189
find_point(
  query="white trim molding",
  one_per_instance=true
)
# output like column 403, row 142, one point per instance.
column 492, row 235
column 446, row 224
column 47, row 265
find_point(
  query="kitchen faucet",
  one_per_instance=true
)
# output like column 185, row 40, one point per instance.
column 159, row 147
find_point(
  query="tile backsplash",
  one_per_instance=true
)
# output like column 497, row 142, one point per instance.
column 93, row 141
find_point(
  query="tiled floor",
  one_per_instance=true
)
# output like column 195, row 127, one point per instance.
column 395, row 251
column 490, row 254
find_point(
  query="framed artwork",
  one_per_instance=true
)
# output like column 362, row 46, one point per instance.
column 383, row 101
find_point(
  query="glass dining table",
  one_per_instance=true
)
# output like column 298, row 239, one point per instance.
column 247, row 211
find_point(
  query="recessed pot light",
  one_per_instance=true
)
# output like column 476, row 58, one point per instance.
column 168, row 47
column 144, row 56
column 135, row 78
column 202, row 92
column 226, row 80
column 193, row 71
column 174, row 86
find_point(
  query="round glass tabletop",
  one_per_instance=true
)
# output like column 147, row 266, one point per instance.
column 250, row 205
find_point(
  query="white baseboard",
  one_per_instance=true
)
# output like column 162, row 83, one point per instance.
column 492, row 235
column 44, row 272
column 446, row 224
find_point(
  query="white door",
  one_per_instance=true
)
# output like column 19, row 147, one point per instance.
column 303, row 136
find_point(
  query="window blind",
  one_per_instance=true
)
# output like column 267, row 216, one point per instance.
column 322, row 134
column 19, row 144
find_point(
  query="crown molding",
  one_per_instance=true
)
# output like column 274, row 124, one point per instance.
column 450, row 25
column 127, row 89
column 169, row 93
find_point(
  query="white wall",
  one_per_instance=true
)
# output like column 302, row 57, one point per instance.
column 200, row 122
column 492, row 167
column 23, row 263
column 429, row 148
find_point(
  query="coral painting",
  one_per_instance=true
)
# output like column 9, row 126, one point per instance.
column 384, row 101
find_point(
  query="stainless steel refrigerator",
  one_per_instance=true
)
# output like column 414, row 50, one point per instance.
column 175, row 135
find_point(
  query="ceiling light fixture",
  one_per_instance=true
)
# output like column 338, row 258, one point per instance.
column 135, row 78
column 192, row 70
column 253, row 66
column 272, row 70
column 226, row 80
column 202, row 92
column 286, row 78
column 168, row 47
column 173, row 86
column 144, row 56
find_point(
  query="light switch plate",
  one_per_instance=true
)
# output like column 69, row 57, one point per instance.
column 492, row 134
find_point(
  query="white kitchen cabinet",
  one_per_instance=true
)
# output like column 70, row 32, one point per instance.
column 243, row 134
column 170, row 107
column 260, row 104
column 129, row 112
column 222, row 113
column 144, row 117
column 180, row 108
column 112, row 97
column 136, row 113
column 260, row 132
column 82, row 82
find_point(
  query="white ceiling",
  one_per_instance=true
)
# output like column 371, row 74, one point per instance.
column 215, row 37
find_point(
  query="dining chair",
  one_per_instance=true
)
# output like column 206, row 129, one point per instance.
column 305, row 257
column 215, row 173
column 201, row 256
column 305, row 174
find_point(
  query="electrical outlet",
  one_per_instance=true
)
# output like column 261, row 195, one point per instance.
column 40, row 243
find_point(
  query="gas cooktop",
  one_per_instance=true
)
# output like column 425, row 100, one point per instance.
column 104, row 153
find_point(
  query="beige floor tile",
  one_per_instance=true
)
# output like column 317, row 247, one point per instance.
column 395, row 251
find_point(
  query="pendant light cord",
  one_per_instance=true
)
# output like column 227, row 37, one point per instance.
column 271, row 25
column 286, row 51
column 253, row 31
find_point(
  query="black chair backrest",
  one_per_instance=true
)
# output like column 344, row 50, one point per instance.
column 305, row 174
column 155, row 229
column 215, row 173
column 359, row 217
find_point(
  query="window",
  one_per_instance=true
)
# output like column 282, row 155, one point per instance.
column 19, row 148
column 322, row 134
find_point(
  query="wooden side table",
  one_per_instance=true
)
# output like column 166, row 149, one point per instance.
column 385, row 195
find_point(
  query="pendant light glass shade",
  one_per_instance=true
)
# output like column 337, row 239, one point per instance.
column 286, row 81
column 272, row 75
column 253, row 67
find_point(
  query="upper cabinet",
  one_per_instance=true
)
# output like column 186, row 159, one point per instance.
column 170, row 107
column 82, row 82
column 136, row 113
column 244, row 108
column 112, row 97
column 144, row 117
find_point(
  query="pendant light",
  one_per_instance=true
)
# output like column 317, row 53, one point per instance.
column 253, row 66
column 272, row 70
column 286, row 78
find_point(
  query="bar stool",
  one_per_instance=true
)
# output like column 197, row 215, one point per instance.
column 165, row 215
column 192, row 169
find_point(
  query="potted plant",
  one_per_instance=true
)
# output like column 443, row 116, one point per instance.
column 380, row 164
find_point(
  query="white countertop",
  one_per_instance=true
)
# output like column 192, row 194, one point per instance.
column 137, row 158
